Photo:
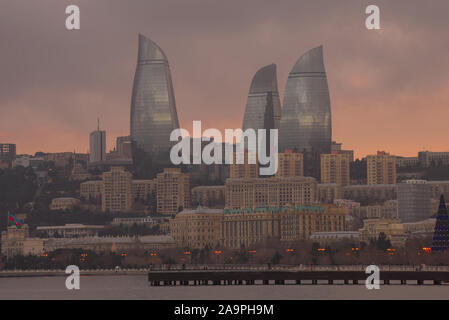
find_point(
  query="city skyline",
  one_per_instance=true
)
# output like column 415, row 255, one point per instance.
column 59, row 82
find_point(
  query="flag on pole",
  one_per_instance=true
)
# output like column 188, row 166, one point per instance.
column 13, row 221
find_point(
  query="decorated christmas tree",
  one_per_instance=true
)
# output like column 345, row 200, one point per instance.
column 441, row 233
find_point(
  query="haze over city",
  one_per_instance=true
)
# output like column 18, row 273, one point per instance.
column 388, row 88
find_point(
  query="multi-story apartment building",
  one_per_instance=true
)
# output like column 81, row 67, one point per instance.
column 337, row 147
column 407, row 162
column 290, row 164
column 261, row 192
column 381, row 168
column 433, row 159
column 173, row 191
column 117, row 190
column 335, row 168
column 248, row 169
column 141, row 189
column 144, row 189
column 7, row 153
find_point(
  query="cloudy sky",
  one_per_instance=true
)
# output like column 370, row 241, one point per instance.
column 389, row 88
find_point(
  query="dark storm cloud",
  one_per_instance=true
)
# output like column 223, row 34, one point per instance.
column 55, row 83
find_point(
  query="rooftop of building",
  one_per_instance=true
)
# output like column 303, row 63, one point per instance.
column 336, row 233
column 264, row 80
column 370, row 186
column 70, row 226
column 201, row 210
column 209, row 187
column 65, row 199
column 429, row 221
column 271, row 179
column 92, row 182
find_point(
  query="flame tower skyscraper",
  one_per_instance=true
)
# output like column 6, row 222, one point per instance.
column 153, row 107
column 306, row 111
column 263, row 107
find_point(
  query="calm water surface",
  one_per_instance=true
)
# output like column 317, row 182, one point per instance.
column 137, row 287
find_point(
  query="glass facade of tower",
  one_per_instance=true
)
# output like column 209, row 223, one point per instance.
column 153, row 107
column 263, row 107
column 306, row 112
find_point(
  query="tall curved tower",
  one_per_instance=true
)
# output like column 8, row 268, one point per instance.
column 263, row 107
column 306, row 111
column 153, row 107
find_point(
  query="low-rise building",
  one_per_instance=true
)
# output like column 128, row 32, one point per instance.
column 420, row 228
column 63, row 203
column 208, row 195
column 79, row 173
column 349, row 205
column 69, row 231
column 393, row 229
column 16, row 242
column 162, row 222
column 437, row 188
column 102, row 245
column 370, row 193
column 388, row 210
column 130, row 221
column 328, row 192
column 325, row 238
column 91, row 189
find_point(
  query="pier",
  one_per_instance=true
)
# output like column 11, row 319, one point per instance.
column 293, row 277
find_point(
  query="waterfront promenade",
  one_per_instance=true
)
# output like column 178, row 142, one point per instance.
column 214, row 268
